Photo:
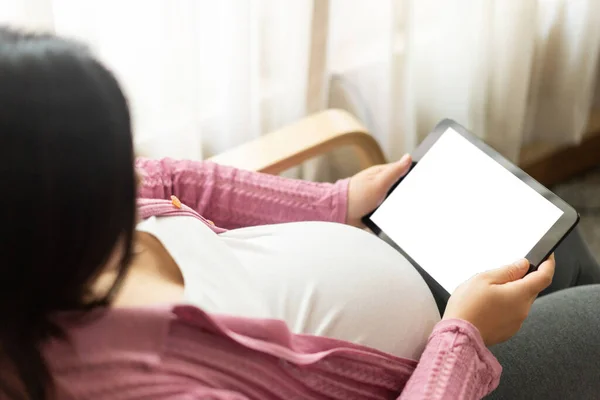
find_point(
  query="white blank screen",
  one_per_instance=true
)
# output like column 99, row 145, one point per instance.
column 459, row 212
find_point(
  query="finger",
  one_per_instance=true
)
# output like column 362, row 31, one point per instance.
column 394, row 171
column 508, row 273
column 539, row 279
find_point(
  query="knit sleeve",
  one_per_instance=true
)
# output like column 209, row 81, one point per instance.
column 455, row 365
column 200, row 393
column 234, row 198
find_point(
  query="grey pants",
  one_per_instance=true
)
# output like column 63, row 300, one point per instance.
column 556, row 354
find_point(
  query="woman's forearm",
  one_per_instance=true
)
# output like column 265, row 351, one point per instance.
column 455, row 365
column 235, row 198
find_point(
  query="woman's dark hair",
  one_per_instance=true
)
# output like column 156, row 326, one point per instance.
column 68, row 195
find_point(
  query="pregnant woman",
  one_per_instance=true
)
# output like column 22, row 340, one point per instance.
column 218, row 283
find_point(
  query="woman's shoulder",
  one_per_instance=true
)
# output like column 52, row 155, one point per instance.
column 183, row 345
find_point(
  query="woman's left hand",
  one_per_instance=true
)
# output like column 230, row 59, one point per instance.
column 368, row 188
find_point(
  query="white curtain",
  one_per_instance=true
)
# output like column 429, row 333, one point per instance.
column 512, row 70
column 205, row 75
column 201, row 75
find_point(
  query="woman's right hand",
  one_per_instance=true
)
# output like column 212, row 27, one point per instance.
column 497, row 302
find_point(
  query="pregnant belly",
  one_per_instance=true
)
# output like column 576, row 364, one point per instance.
column 337, row 281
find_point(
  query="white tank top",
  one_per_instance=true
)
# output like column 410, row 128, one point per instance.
column 320, row 278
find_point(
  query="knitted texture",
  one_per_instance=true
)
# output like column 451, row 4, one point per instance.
column 234, row 198
column 182, row 352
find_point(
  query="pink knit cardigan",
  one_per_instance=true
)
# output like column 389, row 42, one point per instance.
column 181, row 352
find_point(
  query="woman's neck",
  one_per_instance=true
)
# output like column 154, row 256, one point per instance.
column 153, row 277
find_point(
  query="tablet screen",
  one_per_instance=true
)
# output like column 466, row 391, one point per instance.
column 458, row 212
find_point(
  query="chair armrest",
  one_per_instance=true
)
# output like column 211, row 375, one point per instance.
column 314, row 135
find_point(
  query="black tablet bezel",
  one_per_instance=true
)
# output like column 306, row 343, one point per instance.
column 547, row 244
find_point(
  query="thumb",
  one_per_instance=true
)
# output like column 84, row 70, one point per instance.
column 508, row 273
column 396, row 170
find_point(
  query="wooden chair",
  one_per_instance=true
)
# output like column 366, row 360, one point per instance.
column 320, row 133
column 312, row 136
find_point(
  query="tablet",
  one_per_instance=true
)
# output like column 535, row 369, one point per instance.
column 464, row 209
